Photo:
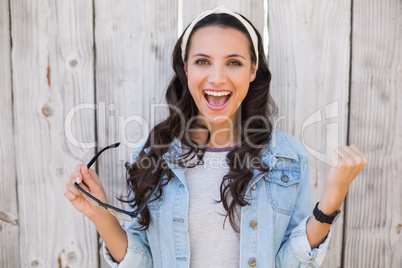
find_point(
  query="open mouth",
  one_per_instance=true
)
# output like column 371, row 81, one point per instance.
column 217, row 100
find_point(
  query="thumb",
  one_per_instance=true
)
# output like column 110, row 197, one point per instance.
column 334, row 157
column 87, row 178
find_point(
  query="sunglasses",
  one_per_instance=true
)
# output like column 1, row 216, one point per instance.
column 117, row 212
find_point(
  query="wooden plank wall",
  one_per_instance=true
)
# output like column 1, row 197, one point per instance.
column 75, row 74
column 134, row 42
column 52, row 70
column 9, row 228
column 309, row 60
column 373, row 220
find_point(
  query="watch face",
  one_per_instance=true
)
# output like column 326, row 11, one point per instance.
column 336, row 216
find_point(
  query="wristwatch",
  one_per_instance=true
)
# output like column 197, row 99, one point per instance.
column 321, row 217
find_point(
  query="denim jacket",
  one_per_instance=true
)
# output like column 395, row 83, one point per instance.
column 272, row 227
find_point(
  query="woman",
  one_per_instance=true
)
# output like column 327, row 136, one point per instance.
column 220, row 112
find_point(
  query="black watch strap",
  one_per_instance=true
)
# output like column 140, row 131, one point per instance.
column 321, row 217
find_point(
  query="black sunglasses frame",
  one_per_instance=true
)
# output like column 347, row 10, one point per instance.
column 107, row 206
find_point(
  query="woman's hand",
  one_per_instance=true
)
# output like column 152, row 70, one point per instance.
column 347, row 162
column 107, row 225
column 89, row 181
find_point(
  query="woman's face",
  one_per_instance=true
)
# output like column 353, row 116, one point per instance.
column 219, row 71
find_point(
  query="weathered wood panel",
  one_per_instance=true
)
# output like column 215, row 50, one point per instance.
column 9, row 253
column 53, row 71
column 252, row 10
column 134, row 43
column 373, row 221
column 52, row 59
column 309, row 60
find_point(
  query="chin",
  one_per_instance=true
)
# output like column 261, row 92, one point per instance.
column 220, row 119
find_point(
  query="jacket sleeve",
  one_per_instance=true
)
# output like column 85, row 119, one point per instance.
column 295, row 250
column 138, row 250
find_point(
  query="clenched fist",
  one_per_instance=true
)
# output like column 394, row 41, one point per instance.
column 347, row 162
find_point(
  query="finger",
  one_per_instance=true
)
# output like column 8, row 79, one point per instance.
column 87, row 178
column 70, row 186
column 75, row 179
column 93, row 174
column 353, row 155
column 78, row 168
column 70, row 196
column 76, row 175
column 355, row 148
column 360, row 152
column 334, row 157
column 345, row 157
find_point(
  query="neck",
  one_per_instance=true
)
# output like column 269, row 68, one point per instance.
column 223, row 134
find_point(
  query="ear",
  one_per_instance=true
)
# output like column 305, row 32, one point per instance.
column 185, row 67
column 253, row 73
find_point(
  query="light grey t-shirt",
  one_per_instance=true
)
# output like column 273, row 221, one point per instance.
column 211, row 243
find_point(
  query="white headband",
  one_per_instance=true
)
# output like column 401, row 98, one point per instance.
column 219, row 10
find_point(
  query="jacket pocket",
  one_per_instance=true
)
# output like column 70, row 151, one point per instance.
column 283, row 187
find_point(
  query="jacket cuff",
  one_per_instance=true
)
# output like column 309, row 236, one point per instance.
column 301, row 247
column 136, row 255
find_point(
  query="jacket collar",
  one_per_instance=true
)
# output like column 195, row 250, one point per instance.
column 279, row 146
column 174, row 151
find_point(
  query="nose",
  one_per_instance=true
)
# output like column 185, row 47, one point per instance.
column 217, row 74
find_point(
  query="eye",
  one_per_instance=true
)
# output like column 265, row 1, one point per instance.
column 235, row 63
column 201, row 62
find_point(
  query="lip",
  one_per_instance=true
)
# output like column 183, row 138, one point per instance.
column 216, row 90
column 217, row 108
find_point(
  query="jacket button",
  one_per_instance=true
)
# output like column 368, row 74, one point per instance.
column 252, row 262
column 285, row 178
column 254, row 186
column 253, row 224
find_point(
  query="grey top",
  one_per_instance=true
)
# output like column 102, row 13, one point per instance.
column 211, row 243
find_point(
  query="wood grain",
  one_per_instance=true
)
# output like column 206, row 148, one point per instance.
column 52, row 59
column 134, row 43
column 111, row 61
column 9, row 225
column 309, row 60
column 373, row 222
column 252, row 10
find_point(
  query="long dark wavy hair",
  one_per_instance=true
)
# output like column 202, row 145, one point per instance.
column 257, row 111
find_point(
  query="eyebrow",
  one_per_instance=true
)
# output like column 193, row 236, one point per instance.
column 207, row 56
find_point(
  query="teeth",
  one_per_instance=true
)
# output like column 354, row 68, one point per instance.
column 221, row 93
